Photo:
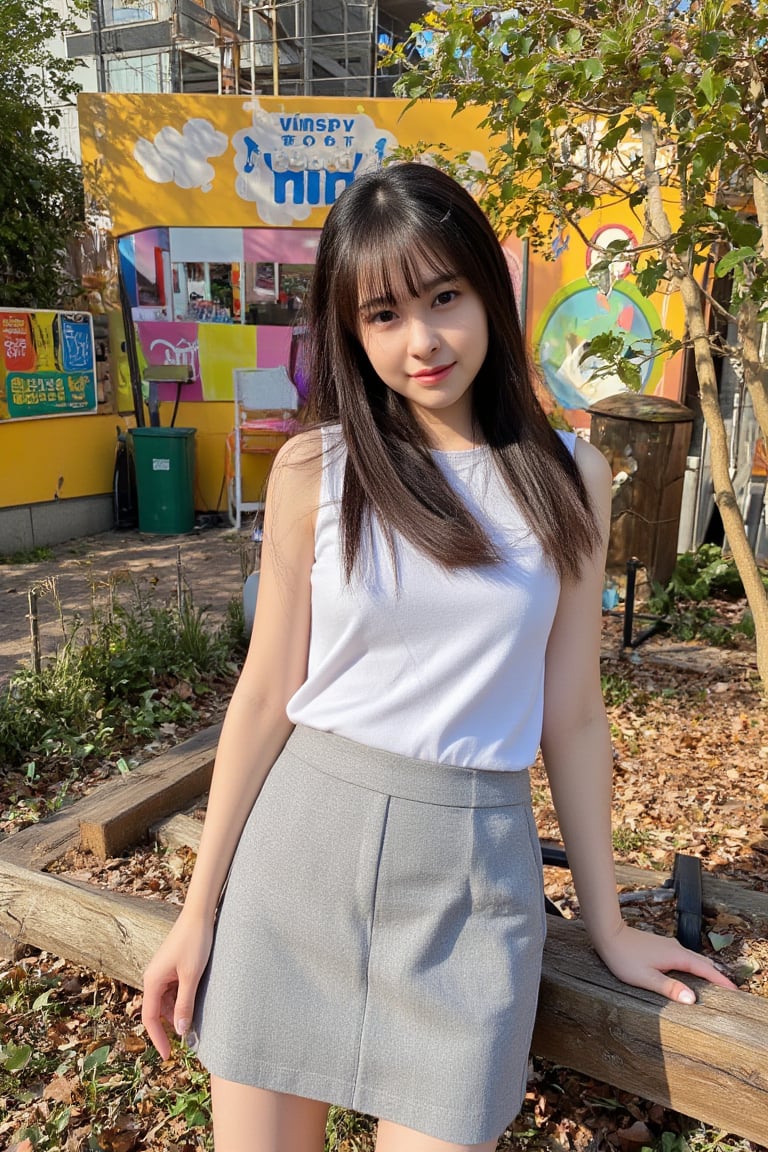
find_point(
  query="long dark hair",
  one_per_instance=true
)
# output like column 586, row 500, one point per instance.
column 384, row 230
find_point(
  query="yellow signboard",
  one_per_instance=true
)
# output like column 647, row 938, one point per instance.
column 230, row 161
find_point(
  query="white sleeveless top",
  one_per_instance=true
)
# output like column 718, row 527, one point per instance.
column 448, row 667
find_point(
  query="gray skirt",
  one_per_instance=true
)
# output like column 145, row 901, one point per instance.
column 378, row 945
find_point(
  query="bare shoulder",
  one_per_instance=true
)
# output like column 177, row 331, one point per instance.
column 303, row 451
column 596, row 473
column 592, row 464
column 296, row 470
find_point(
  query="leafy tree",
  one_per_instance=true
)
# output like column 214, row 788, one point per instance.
column 41, row 196
column 659, row 105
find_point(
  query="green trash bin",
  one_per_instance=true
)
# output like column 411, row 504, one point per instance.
column 165, row 479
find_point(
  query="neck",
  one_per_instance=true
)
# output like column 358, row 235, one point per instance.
column 449, row 431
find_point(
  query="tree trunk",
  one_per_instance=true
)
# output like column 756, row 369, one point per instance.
column 755, row 372
column 725, row 497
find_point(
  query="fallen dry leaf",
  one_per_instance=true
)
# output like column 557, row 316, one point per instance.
column 60, row 1089
column 632, row 1138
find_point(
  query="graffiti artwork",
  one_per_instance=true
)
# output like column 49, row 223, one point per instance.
column 573, row 318
column 47, row 364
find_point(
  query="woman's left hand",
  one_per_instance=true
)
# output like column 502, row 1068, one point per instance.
column 644, row 960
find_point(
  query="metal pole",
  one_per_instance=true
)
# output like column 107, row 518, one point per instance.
column 252, row 43
column 308, row 47
column 275, row 54
column 629, row 601
column 175, row 53
column 98, row 26
column 375, row 46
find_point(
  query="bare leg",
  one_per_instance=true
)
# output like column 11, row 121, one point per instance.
column 394, row 1138
column 246, row 1118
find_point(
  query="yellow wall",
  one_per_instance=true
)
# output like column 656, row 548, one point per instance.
column 64, row 457
column 71, row 456
column 184, row 160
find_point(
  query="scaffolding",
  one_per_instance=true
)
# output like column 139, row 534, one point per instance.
column 322, row 47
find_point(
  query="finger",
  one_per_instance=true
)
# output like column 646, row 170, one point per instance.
column 152, row 1011
column 157, row 1035
column 671, row 988
column 702, row 966
column 185, row 1004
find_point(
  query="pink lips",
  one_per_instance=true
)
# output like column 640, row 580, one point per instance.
column 432, row 375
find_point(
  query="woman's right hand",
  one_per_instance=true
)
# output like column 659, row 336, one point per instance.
column 171, row 979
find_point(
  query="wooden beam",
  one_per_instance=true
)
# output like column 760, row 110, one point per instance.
column 121, row 808
column 128, row 806
column 709, row 1060
column 179, row 831
column 105, row 931
column 719, row 895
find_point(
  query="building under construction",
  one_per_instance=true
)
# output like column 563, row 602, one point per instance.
column 323, row 47
column 270, row 47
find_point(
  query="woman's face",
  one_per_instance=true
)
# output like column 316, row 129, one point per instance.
column 429, row 348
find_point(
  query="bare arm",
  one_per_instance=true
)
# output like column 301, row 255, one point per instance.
column 577, row 754
column 254, row 732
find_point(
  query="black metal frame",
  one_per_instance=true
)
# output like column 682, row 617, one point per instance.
column 628, row 640
column 686, row 882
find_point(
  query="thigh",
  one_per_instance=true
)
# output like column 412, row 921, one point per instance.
column 245, row 1118
column 394, row 1138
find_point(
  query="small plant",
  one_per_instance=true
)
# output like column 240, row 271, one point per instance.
column 127, row 672
column 627, row 839
column 616, row 689
column 348, row 1131
column 28, row 556
column 700, row 576
column 192, row 1099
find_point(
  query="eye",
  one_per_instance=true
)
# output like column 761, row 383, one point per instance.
column 447, row 296
column 385, row 316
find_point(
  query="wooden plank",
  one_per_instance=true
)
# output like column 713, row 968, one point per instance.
column 40, row 844
column 709, row 1061
column 184, row 770
column 178, row 831
column 106, row 931
column 719, row 895
column 127, row 807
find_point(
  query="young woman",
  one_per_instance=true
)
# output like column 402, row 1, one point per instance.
column 428, row 615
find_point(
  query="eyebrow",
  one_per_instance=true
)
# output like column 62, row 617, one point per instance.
column 425, row 286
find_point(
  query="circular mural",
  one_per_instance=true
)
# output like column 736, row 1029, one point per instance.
column 573, row 318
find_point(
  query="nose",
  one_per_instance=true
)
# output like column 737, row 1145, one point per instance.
column 423, row 340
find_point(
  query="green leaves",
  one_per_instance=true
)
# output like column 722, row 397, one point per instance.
column 709, row 85
column 683, row 72
column 41, row 197
column 15, row 1057
column 96, row 1058
column 733, row 259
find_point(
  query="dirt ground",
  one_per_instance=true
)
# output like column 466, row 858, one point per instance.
column 81, row 572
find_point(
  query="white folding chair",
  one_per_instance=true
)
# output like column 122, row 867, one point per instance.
column 265, row 416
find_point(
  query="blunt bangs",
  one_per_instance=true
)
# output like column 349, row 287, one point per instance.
column 392, row 266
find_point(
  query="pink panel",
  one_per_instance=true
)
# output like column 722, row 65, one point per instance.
column 145, row 244
column 166, row 342
column 280, row 245
column 273, row 346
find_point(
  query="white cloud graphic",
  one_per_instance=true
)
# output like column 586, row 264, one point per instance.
column 182, row 157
